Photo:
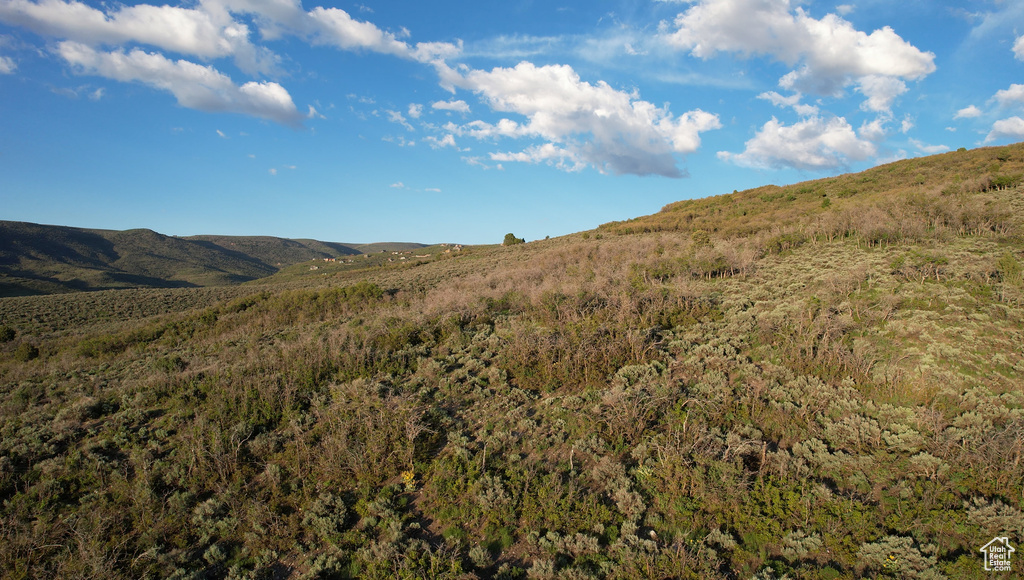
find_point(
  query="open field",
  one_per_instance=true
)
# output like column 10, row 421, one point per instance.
column 828, row 386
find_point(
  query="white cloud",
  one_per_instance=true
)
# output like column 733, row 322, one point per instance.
column 221, row 134
column 612, row 130
column 550, row 153
column 335, row 27
column 452, row 105
column 7, row 65
column 400, row 141
column 209, row 31
column 831, row 52
column 484, row 130
column 1011, row 96
column 314, row 114
column 873, row 131
column 397, row 185
column 397, row 117
column 928, row 149
column 415, row 110
column 881, row 91
column 194, row 86
column 790, row 101
column 272, row 171
column 811, row 144
column 1018, row 48
column 1012, row 128
column 432, row 189
column 196, row 32
column 844, row 9
column 632, row 51
column 434, row 52
column 906, row 125
column 446, row 141
column 968, row 113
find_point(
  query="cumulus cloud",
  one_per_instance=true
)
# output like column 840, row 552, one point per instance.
column 1012, row 128
column 881, row 91
column 830, row 53
column 812, row 144
column 193, row 85
column 790, row 101
column 873, row 131
column 452, row 105
column 210, row 30
column 190, row 31
column 1011, row 96
column 331, row 27
column 415, row 110
column 612, row 130
column 1018, row 48
column 7, row 65
column 968, row 113
column 335, row 27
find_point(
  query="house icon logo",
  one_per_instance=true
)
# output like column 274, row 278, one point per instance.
column 997, row 555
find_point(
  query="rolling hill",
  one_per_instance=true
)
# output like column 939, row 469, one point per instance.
column 822, row 380
column 42, row 259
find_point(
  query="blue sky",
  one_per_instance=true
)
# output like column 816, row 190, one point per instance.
column 461, row 121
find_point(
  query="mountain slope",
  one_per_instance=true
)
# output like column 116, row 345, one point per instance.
column 41, row 259
column 278, row 251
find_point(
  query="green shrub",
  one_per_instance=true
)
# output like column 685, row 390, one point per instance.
column 1010, row 269
column 700, row 238
column 7, row 334
column 171, row 364
column 511, row 240
column 26, row 352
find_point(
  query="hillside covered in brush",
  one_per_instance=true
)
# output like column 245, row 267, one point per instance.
column 814, row 381
column 42, row 259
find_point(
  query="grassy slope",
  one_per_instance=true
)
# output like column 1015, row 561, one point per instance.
column 908, row 183
column 826, row 392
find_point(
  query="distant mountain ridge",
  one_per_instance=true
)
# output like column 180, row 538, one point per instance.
column 46, row 259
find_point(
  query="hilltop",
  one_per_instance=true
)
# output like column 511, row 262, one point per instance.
column 814, row 381
column 43, row 259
